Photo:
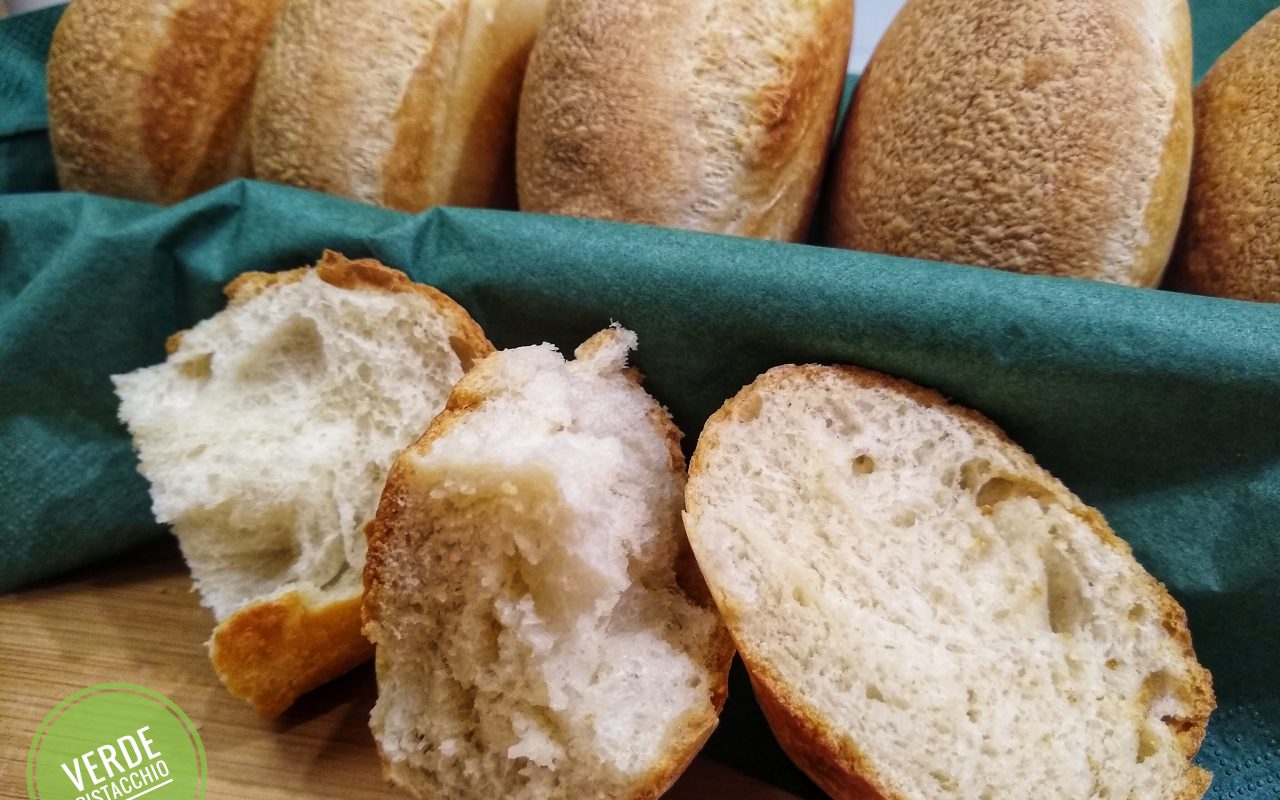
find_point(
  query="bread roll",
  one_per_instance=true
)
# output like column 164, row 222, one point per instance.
column 1231, row 244
column 402, row 103
column 712, row 115
column 266, row 436
column 541, row 628
column 925, row 613
column 149, row 100
column 1038, row 136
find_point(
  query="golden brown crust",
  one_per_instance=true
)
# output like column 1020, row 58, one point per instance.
column 1231, row 238
column 713, row 116
column 149, row 100
column 406, row 104
column 273, row 651
column 369, row 275
column 418, row 127
column 829, row 756
column 1049, row 137
column 1168, row 202
column 691, row 731
column 248, row 285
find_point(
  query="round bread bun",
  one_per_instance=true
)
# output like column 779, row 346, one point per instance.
column 1039, row 136
column 1231, row 245
column 712, row 115
column 402, row 103
column 149, row 100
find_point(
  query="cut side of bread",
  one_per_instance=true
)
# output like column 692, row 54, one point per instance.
column 925, row 613
column 401, row 103
column 710, row 115
column 266, row 437
column 1048, row 137
column 150, row 100
column 1231, row 237
column 542, row 630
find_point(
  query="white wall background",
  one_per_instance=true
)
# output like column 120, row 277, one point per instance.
column 872, row 17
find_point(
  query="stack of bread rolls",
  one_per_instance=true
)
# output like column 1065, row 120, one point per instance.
column 1052, row 137
column 714, row 115
column 404, row 103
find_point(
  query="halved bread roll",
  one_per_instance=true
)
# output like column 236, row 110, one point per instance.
column 712, row 115
column 542, row 630
column 1231, row 244
column 266, row 436
column 927, row 614
column 1038, row 136
column 150, row 100
column 402, row 103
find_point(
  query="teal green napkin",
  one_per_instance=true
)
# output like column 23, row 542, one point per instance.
column 1160, row 409
column 26, row 164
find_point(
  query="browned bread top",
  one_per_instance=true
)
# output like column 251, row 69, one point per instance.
column 402, row 103
column 1038, row 136
column 713, row 115
column 1231, row 244
column 149, row 100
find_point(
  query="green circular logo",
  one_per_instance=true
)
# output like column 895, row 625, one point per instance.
column 116, row 741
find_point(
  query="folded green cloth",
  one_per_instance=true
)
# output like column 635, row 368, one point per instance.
column 1159, row 408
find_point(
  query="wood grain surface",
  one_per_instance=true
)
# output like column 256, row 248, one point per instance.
column 136, row 619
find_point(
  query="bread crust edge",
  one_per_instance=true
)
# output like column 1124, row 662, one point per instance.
column 272, row 652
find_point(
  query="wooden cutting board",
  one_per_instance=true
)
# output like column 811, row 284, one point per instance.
column 136, row 620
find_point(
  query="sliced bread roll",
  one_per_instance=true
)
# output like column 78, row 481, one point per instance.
column 712, row 115
column 925, row 613
column 150, row 100
column 266, row 436
column 402, row 103
column 1231, row 239
column 541, row 627
column 1038, row 136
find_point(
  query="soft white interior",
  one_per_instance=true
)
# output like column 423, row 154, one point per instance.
column 267, row 436
column 924, row 587
column 533, row 640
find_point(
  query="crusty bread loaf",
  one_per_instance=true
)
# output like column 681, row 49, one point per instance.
column 713, row 115
column 1231, row 245
column 542, row 630
column 266, row 436
column 402, row 103
column 1038, row 136
column 925, row 613
column 150, row 100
